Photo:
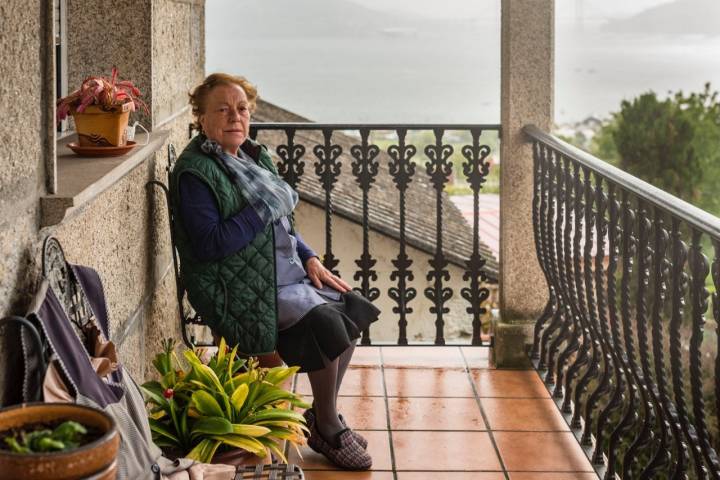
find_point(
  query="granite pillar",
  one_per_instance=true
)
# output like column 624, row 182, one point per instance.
column 527, row 82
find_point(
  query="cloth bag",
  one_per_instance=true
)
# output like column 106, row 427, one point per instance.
column 90, row 375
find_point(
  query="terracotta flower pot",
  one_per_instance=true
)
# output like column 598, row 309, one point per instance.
column 239, row 457
column 100, row 128
column 94, row 460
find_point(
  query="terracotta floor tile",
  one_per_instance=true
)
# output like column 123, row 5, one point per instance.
column 341, row 475
column 364, row 413
column 509, row 383
column 363, row 381
column 378, row 447
column 444, row 451
column 525, row 414
column 425, row 382
column 552, row 476
column 361, row 413
column 428, row 357
column 366, row 357
column 541, row 451
column 435, row 414
column 451, row 475
column 476, row 357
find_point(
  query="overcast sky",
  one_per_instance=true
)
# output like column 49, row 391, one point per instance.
column 439, row 60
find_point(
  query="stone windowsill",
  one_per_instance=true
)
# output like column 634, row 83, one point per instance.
column 81, row 179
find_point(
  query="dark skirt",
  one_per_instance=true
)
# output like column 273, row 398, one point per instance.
column 326, row 331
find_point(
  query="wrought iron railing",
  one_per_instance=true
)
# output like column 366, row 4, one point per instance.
column 349, row 149
column 620, row 343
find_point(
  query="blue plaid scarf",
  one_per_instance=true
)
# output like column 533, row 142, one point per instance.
column 269, row 195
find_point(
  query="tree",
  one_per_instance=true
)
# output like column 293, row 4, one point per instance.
column 673, row 144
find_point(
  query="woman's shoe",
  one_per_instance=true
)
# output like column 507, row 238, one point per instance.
column 310, row 419
column 346, row 453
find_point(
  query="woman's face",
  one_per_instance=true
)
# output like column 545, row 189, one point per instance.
column 226, row 118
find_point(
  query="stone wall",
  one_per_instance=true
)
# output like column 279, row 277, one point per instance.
column 123, row 232
column 22, row 172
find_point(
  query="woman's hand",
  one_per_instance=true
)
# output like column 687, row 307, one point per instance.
column 318, row 274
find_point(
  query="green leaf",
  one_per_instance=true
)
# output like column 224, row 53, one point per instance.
column 206, row 404
column 221, row 350
column 153, row 392
column 273, row 446
column 68, row 431
column 212, row 426
column 273, row 395
column 204, row 373
column 275, row 414
column 184, row 433
column 246, row 443
column 164, row 443
column 47, row 444
column 281, row 423
column 231, row 366
column 161, row 430
column 299, row 402
column 169, row 380
column 277, row 375
column 204, row 451
column 15, row 446
column 238, row 396
column 249, row 430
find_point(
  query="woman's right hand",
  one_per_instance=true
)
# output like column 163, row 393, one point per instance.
column 319, row 275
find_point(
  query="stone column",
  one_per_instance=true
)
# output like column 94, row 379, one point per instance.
column 527, row 81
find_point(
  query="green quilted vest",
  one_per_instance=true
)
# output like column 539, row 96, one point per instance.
column 235, row 296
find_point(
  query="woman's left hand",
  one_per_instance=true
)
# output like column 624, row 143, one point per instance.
column 318, row 274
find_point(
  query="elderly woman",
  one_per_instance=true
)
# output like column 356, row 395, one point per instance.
column 247, row 270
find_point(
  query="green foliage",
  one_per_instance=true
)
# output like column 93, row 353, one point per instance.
column 228, row 402
column 671, row 143
column 66, row 436
column 457, row 139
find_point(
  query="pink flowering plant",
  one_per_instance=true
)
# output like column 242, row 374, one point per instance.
column 107, row 93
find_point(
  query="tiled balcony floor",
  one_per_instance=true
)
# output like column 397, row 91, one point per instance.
column 442, row 412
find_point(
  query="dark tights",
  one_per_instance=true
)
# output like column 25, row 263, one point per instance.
column 325, row 386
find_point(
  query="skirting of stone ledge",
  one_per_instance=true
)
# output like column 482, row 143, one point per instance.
column 81, row 180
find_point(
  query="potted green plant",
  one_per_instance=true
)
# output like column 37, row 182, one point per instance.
column 228, row 403
column 101, row 109
column 60, row 441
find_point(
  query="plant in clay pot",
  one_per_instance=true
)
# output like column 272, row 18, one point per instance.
column 226, row 404
column 59, row 441
column 101, row 108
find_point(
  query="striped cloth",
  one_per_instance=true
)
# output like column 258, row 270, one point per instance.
column 268, row 194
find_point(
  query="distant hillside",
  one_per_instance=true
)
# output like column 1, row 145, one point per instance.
column 316, row 18
column 307, row 19
column 680, row 17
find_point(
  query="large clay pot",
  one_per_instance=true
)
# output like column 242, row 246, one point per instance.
column 102, row 128
column 94, row 460
column 239, row 458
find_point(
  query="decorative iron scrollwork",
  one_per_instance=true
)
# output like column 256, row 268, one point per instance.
column 291, row 166
column 439, row 168
column 402, row 170
column 328, row 168
column 476, row 169
column 61, row 279
column 365, row 169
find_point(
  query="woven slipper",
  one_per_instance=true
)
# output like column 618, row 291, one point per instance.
column 348, row 454
column 310, row 419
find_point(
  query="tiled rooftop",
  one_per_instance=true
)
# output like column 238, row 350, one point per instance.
column 442, row 412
